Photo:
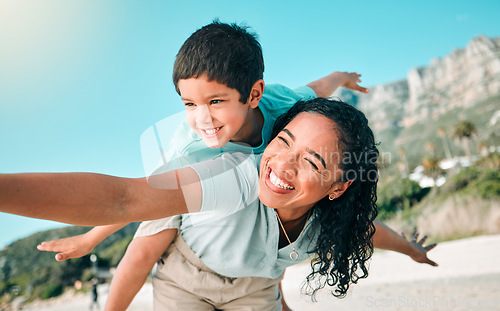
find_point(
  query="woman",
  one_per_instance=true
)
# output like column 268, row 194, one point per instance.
column 316, row 190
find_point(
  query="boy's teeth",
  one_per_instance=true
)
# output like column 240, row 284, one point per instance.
column 211, row 131
column 278, row 182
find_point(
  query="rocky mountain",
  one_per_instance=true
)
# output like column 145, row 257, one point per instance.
column 456, row 82
column 459, row 79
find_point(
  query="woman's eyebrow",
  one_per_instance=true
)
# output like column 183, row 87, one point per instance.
column 289, row 134
column 317, row 156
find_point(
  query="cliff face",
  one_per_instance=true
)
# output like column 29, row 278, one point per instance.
column 459, row 79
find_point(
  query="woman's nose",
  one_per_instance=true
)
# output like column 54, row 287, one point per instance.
column 287, row 162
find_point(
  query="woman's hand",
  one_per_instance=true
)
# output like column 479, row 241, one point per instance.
column 419, row 251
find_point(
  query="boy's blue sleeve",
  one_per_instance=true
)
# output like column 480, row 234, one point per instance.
column 305, row 92
column 277, row 98
column 282, row 94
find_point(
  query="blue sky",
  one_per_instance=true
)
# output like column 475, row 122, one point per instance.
column 81, row 80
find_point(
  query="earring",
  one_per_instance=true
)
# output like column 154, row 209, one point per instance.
column 332, row 197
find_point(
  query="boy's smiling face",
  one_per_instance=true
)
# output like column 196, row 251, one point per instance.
column 215, row 113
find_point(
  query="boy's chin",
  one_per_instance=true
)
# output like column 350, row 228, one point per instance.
column 212, row 143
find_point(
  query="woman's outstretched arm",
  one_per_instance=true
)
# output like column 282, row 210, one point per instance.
column 386, row 238
column 90, row 199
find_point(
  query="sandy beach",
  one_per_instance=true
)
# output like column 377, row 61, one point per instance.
column 468, row 278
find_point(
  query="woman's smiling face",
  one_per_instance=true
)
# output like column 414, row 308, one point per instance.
column 300, row 165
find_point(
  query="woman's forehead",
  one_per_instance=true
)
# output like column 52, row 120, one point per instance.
column 316, row 133
column 308, row 125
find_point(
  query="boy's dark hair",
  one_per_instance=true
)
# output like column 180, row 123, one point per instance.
column 226, row 53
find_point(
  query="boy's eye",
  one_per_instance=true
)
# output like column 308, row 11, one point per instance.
column 215, row 101
column 189, row 104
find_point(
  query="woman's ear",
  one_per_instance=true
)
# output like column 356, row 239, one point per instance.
column 256, row 93
column 338, row 189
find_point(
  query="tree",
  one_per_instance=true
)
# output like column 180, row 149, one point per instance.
column 464, row 131
column 404, row 167
column 432, row 169
column 431, row 147
column 444, row 139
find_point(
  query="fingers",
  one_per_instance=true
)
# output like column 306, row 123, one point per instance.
column 65, row 255
column 432, row 263
column 415, row 237
column 422, row 241
column 362, row 89
column 56, row 246
column 44, row 246
column 429, row 247
column 355, row 77
column 351, row 80
column 49, row 246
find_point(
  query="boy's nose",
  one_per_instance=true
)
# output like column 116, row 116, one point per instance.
column 203, row 115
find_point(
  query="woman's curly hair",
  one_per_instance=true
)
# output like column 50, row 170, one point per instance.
column 345, row 225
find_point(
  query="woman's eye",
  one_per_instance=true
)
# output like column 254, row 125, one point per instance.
column 313, row 165
column 283, row 140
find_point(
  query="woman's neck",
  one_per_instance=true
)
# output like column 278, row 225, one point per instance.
column 289, row 215
column 293, row 226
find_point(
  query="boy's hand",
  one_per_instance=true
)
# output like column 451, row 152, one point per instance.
column 325, row 86
column 351, row 80
column 71, row 247
column 419, row 253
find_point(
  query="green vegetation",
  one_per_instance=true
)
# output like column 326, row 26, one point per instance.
column 397, row 195
column 26, row 271
column 52, row 290
column 466, row 205
column 413, row 140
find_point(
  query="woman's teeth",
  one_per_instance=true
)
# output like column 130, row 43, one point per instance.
column 278, row 182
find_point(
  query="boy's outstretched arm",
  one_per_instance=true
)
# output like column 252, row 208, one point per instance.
column 141, row 255
column 386, row 238
column 79, row 245
column 90, row 199
column 325, row 86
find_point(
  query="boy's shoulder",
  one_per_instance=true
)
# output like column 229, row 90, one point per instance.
column 276, row 95
column 277, row 99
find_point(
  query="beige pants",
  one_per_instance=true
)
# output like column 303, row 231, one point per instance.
column 184, row 282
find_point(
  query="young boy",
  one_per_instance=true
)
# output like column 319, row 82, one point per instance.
column 218, row 74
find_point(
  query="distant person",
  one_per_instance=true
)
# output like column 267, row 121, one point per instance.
column 94, row 295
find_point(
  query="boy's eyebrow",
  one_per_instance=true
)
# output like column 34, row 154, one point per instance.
column 209, row 96
column 317, row 156
column 218, row 95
